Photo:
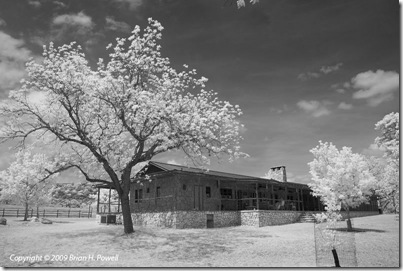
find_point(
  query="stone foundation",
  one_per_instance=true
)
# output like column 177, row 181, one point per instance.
column 219, row 219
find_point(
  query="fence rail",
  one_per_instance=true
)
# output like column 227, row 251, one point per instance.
column 46, row 213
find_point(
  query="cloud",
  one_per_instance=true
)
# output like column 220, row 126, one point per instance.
column 373, row 150
column 113, row 25
column 375, row 87
column 323, row 70
column 329, row 69
column 308, row 75
column 131, row 4
column 2, row 22
column 79, row 19
column 13, row 56
column 315, row 108
column 345, row 106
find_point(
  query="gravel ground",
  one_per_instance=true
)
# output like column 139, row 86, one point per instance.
column 84, row 243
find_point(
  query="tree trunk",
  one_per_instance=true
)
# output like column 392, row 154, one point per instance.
column 37, row 211
column 336, row 258
column 127, row 216
column 26, row 211
column 349, row 226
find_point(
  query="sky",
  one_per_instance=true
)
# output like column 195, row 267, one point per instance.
column 301, row 70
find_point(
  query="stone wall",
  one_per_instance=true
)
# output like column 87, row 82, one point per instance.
column 262, row 218
column 157, row 219
column 198, row 219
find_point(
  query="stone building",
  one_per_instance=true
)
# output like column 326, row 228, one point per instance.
column 185, row 197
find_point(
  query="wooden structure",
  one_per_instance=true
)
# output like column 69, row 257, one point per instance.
column 181, row 188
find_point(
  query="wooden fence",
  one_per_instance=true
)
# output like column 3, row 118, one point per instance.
column 46, row 213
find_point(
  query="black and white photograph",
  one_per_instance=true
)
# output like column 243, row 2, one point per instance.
column 200, row 133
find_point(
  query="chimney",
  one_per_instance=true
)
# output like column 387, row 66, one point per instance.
column 284, row 175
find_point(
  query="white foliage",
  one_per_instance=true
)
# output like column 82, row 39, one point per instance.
column 25, row 181
column 340, row 177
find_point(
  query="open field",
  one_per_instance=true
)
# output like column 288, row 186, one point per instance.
column 77, row 243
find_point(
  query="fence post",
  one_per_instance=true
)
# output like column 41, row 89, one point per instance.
column 43, row 213
column 32, row 212
column 17, row 212
column 68, row 214
column 57, row 213
column 3, row 212
column 79, row 214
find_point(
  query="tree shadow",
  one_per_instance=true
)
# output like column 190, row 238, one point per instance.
column 357, row 230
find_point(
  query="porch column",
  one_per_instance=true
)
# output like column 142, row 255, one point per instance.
column 298, row 201
column 219, row 192
column 257, row 196
column 99, row 190
column 109, row 202
column 236, row 196
column 273, row 201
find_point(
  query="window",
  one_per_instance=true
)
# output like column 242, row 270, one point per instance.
column 138, row 195
column 148, row 189
column 184, row 187
column 208, row 192
column 226, row 193
column 158, row 191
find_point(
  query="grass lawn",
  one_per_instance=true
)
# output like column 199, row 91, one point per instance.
column 78, row 242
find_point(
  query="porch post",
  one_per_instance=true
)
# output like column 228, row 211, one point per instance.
column 257, row 195
column 99, row 190
column 109, row 202
column 299, row 203
column 236, row 196
column 219, row 192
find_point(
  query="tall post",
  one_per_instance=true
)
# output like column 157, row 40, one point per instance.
column 257, row 195
column 298, row 201
column 99, row 190
column 109, row 201
column 273, row 201
column 219, row 192
column 236, row 196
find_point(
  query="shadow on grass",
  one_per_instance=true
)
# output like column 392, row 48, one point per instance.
column 357, row 230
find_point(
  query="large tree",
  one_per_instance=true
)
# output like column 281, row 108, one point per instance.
column 28, row 180
column 341, row 178
column 131, row 108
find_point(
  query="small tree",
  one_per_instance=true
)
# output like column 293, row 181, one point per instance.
column 74, row 195
column 340, row 178
column 134, row 107
column 27, row 181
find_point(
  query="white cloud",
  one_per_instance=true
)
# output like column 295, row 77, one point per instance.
column 13, row 56
column 323, row 70
column 79, row 19
column 340, row 90
column 375, row 87
column 329, row 69
column 315, row 108
column 345, row 106
column 131, row 4
column 308, row 75
column 374, row 150
column 2, row 22
column 113, row 25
